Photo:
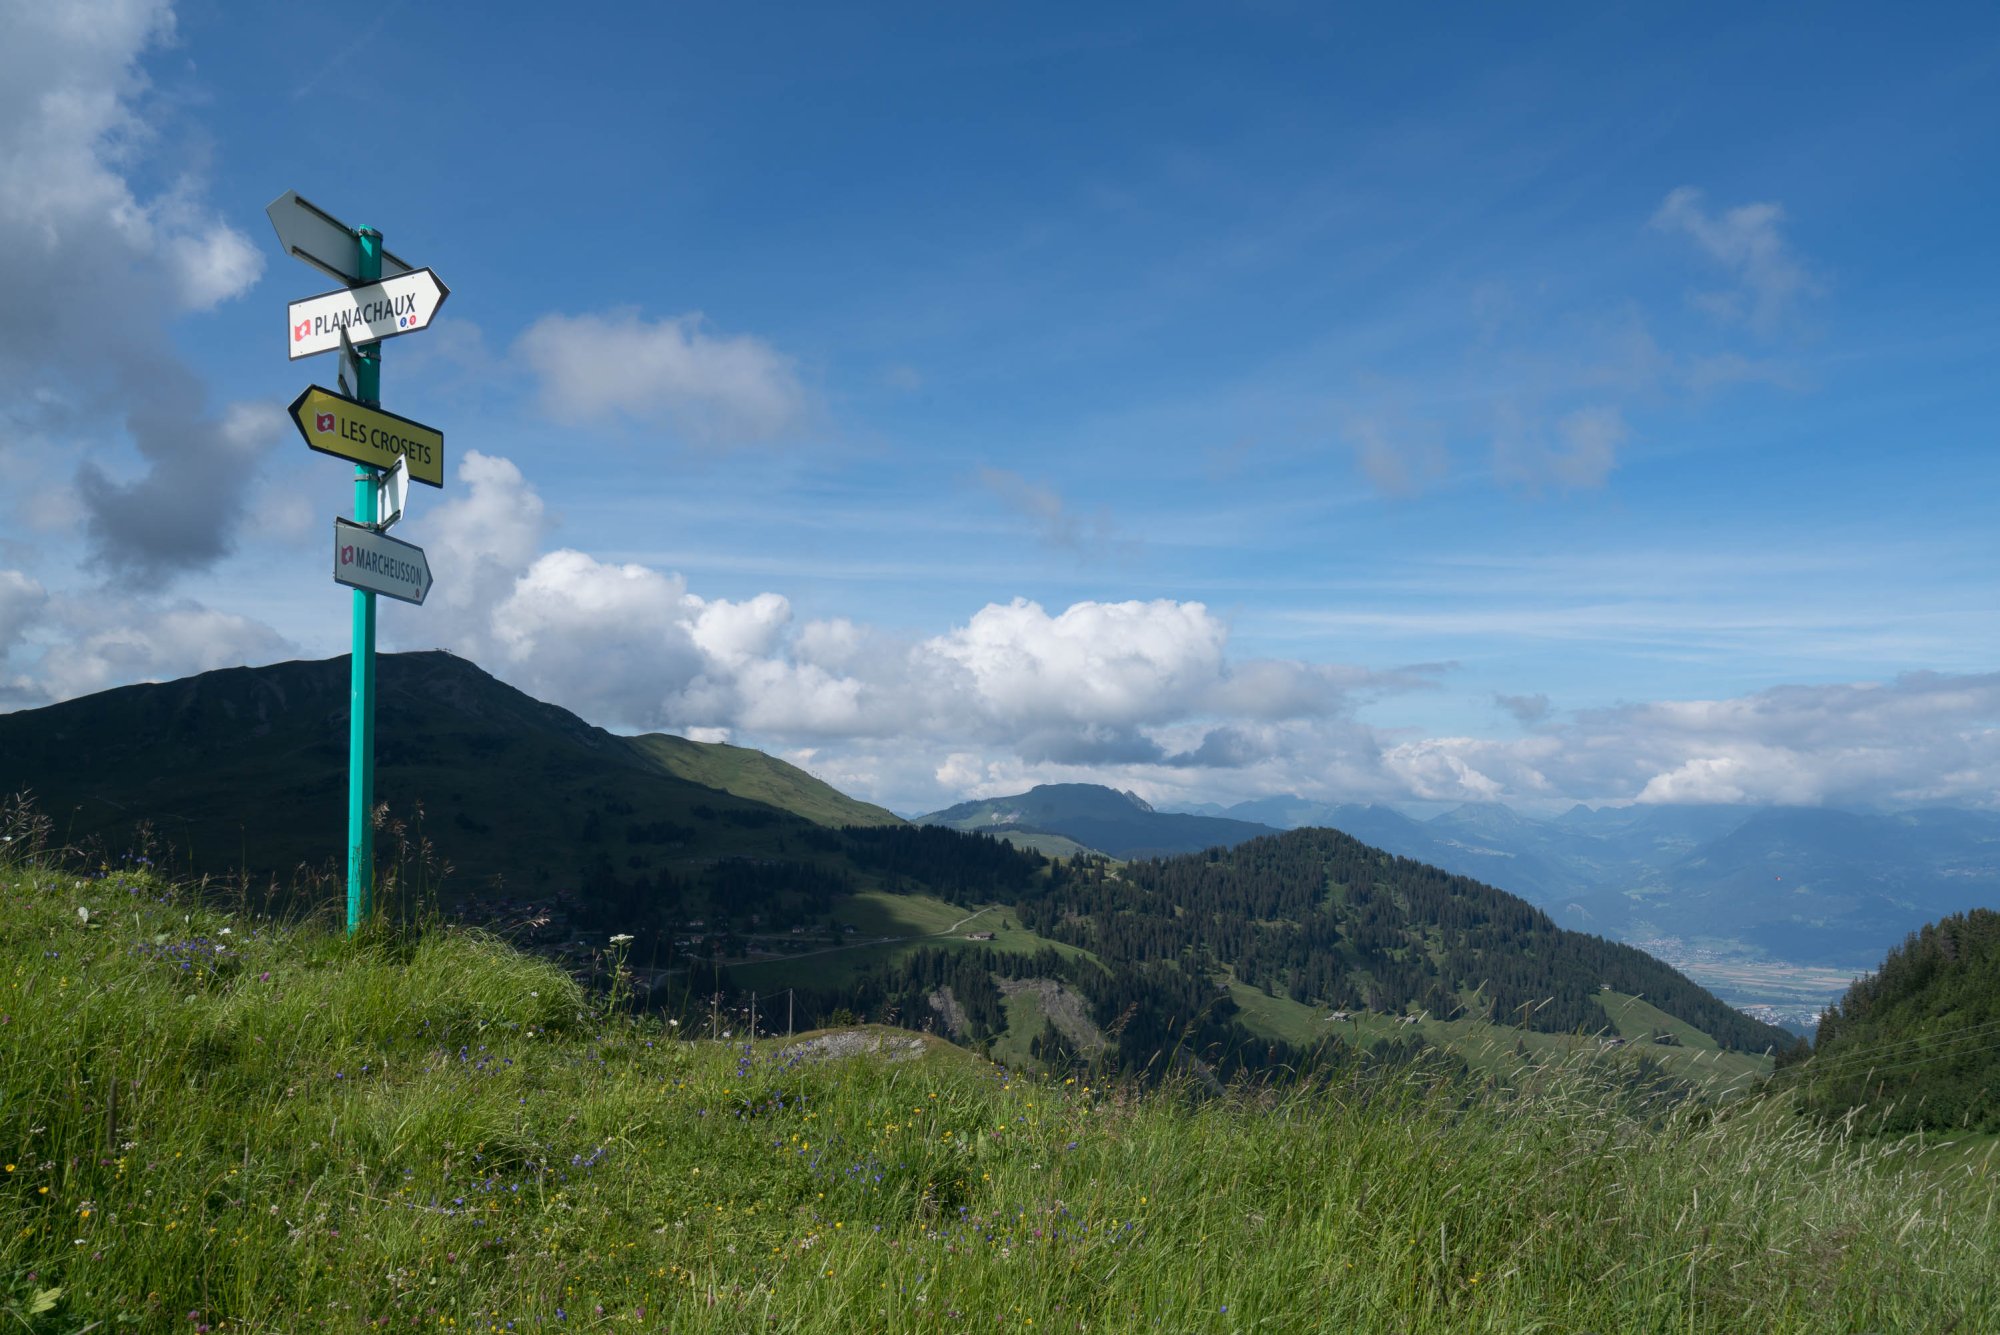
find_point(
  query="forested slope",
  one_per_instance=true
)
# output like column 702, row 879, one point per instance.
column 1313, row 916
column 1325, row 919
column 1916, row 1045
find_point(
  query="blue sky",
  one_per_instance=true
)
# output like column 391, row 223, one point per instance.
column 1586, row 404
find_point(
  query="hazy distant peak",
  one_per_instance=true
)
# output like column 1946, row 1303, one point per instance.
column 1122, row 824
column 1485, row 815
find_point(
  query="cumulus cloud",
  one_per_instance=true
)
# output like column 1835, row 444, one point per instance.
column 1228, row 747
column 1919, row 738
column 57, row 646
column 182, row 513
column 1748, row 245
column 715, row 389
column 1095, row 683
column 111, row 643
column 22, row 601
column 488, row 533
column 613, row 638
column 94, row 273
column 1145, row 695
column 1110, row 663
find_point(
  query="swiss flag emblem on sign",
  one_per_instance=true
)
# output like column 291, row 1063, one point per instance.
column 322, row 421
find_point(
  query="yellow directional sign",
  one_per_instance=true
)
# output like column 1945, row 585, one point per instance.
column 335, row 424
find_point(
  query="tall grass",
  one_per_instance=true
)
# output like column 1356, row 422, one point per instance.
column 211, row 1122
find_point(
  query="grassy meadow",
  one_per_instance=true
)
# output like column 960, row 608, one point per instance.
column 212, row 1122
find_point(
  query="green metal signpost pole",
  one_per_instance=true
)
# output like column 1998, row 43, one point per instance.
column 361, row 700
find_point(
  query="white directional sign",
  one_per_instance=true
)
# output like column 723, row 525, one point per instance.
column 350, row 366
column 365, row 559
column 366, row 314
column 310, row 233
column 392, row 489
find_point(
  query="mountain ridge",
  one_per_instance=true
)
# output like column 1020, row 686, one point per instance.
column 1819, row 886
column 1120, row 824
column 246, row 768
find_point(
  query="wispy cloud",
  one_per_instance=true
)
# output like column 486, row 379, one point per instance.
column 671, row 374
column 1058, row 523
column 1400, row 457
column 1747, row 243
column 1575, row 452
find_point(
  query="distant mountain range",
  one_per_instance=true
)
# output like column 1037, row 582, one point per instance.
column 1811, row 885
column 1094, row 817
column 246, row 768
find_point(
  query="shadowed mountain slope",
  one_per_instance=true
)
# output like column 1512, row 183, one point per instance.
column 247, row 768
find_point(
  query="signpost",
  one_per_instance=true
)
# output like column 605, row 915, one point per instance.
column 310, row 233
column 335, row 424
column 364, row 558
column 367, row 313
column 384, row 297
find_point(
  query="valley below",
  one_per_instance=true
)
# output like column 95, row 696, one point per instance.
column 1791, row 996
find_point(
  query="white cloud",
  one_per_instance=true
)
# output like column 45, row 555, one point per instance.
column 629, row 645
column 93, row 273
column 487, row 534
column 612, row 641
column 669, row 373
column 1144, row 695
column 1920, row 738
column 1746, row 243
column 104, row 641
column 1105, row 663
column 736, row 633
column 22, row 601
column 212, row 266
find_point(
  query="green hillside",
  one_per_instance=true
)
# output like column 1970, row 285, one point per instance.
column 1239, row 959
column 1327, row 921
column 1916, row 1045
column 759, row 777
column 213, row 1122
